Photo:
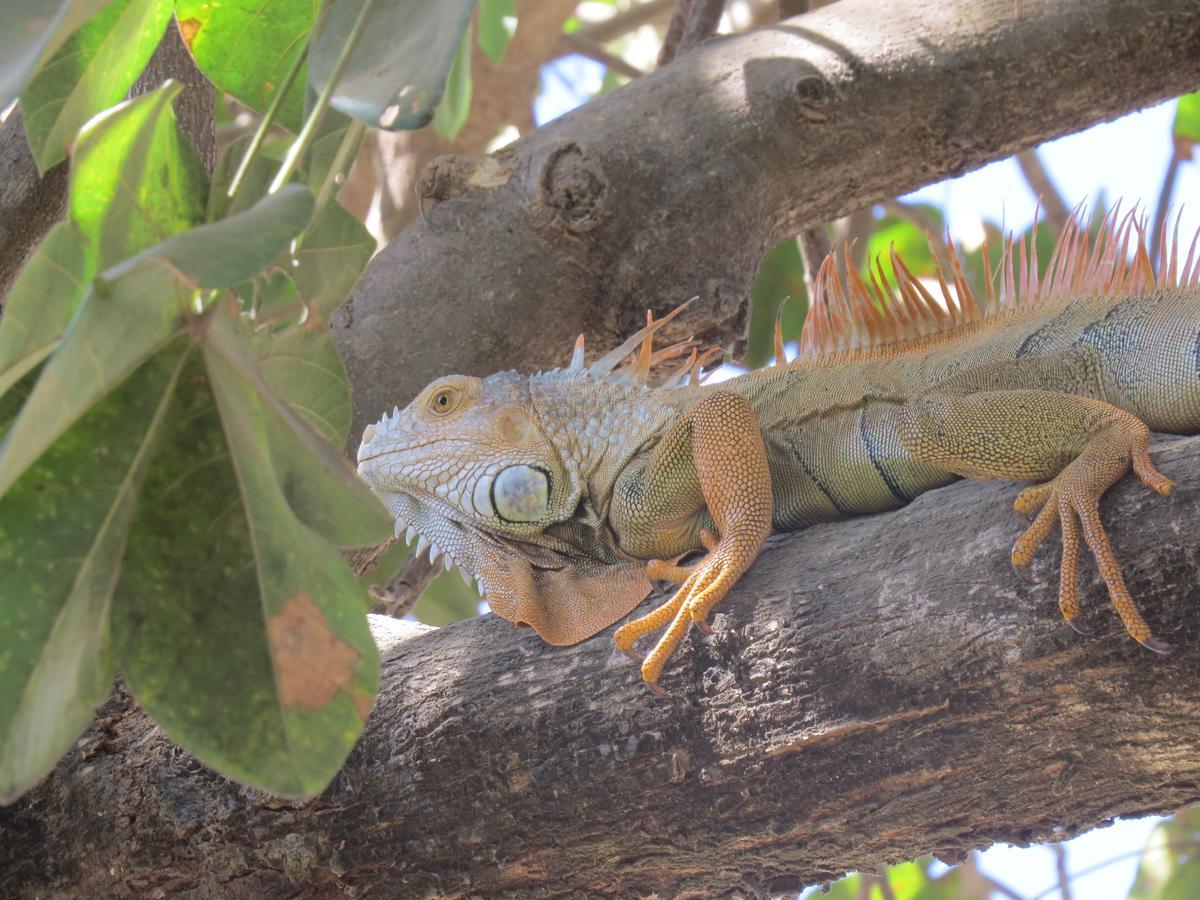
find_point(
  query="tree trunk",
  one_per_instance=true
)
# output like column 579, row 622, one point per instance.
column 678, row 183
column 875, row 689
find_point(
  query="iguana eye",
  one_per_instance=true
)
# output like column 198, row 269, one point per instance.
column 444, row 401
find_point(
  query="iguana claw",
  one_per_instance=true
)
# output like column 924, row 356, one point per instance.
column 1071, row 500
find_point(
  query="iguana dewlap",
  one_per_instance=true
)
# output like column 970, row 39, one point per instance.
column 566, row 493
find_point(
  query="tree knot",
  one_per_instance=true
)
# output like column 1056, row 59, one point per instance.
column 572, row 185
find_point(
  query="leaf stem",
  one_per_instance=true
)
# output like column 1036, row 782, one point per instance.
column 307, row 132
column 346, row 149
column 265, row 123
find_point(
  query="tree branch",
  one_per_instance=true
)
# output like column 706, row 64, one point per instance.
column 678, row 183
column 875, row 689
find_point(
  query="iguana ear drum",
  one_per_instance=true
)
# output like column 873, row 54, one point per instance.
column 521, row 494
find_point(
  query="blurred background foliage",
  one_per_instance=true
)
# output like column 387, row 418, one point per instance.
column 533, row 61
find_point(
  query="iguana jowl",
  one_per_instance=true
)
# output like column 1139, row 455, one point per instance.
column 566, row 493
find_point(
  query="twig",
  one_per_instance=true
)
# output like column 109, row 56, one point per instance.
column 972, row 868
column 573, row 43
column 1164, row 197
column 692, row 22
column 1043, row 188
column 885, row 885
column 1060, row 868
column 623, row 22
column 398, row 597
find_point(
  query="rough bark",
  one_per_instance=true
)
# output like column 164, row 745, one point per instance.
column 874, row 689
column 676, row 184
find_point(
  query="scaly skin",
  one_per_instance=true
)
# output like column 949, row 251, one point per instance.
column 566, row 493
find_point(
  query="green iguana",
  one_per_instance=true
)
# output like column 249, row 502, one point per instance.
column 566, row 493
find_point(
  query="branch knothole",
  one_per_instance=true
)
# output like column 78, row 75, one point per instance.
column 813, row 94
column 572, row 186
column 438, row 179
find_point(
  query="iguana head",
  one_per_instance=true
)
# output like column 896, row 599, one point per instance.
column 468, row 470
column 500, row 485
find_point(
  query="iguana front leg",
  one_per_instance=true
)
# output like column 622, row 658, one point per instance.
column 716, row 451
column 1082, row 445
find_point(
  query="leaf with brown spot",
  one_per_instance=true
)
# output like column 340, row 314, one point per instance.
column 312, row 664
column 237, row 623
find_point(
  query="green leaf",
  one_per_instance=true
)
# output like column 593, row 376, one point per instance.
column 247, row 47
column 497, row 25
column 92, row 71
column 451, row 114
column 254, row 188
column 63, row 528
column 134, row 180
column 31, row 30
column 780, row 276
column 132, row 153
column 136, row 308
column 320, row 483
column 332, row 255
column 224, row 253
column 41, row 302
column 302, row 365
column 227, row 594
column 395, row 75
column 909, row 241
column 336, row 145
column 120, row 325
column 1186, row 128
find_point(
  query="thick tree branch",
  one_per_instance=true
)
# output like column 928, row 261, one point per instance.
column 678, row 183
column 875, row 689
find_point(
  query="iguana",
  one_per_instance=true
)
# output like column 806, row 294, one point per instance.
column 565, row 494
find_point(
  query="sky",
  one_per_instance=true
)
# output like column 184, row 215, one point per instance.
column 1126, row 159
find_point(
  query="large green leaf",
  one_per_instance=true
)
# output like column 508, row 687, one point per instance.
column 134, row 180
column 31, row 30
column 224, row 253
column 332, row 255
column 63, row 527
column 302, row 365
column 319, row 482
column 247, row 47
column 395, row 75
column 41, row 302
column 136, row 308
column 237, row 627
column 92, row 71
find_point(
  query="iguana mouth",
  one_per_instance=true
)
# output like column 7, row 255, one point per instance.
column 411, row 512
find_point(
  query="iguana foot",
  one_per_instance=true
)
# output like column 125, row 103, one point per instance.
column 701, row 587
column 1072, row 501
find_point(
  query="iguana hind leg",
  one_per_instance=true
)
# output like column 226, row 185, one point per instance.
column 1082, row 446
column 730, row 465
